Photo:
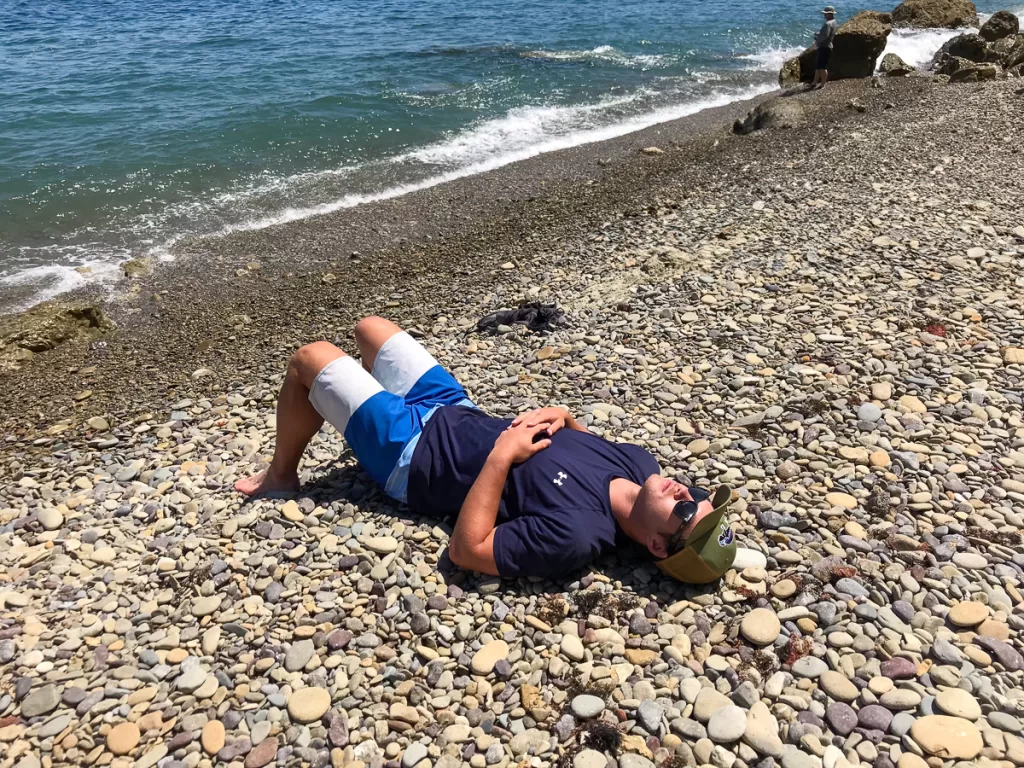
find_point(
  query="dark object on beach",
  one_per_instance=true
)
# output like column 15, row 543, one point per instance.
column 922, row 14
column 999, row 25
column 857, row 46
column 771, row 113
column 539, row 318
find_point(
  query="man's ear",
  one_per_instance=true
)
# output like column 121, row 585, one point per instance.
column 658, row 546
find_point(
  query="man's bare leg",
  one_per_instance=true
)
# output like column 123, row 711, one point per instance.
column 371, row 333
column 297, row 421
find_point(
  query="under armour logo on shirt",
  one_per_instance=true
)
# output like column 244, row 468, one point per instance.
column 558, row 480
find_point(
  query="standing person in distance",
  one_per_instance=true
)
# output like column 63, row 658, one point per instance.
column 823, row 45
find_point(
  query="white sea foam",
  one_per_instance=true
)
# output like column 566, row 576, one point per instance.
column 1018, row 12
column 918, row 46
column 44, row 282
column 484, row 143
column 770, row 59
column 604, row 54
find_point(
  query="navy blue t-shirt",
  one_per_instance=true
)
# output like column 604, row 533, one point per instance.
column 555, row 513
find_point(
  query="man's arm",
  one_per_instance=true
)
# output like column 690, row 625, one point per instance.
column 472, row 543
column 822, row 37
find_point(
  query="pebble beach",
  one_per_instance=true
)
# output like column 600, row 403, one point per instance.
column 827, row 318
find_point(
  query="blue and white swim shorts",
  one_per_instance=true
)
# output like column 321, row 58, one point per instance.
column 381, row 415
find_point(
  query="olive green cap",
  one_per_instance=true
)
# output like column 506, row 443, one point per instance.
column 711, row 548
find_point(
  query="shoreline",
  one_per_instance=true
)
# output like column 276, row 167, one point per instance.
column 210, row 281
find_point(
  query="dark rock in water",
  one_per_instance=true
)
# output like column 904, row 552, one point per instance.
column 790, row 73
column 893, row 66
column 969, row 46
column 922, row 14
column 772, row 113
column 135, row 267
column 999, row 25
column 857, row 46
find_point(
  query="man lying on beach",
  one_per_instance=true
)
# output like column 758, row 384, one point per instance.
column 538, row 495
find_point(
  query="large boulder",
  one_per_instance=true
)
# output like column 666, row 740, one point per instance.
column 858, row 44
column 771, row 113
column 970, row 46
column 972, row 73
column 961, row 70
column 967, row 46
column 1007, row 52
column 893, row 66
column 999, row 25
column 949, row 14
column 953, row 64
column 1015, row 56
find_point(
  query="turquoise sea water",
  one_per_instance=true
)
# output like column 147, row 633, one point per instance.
column 129, row 125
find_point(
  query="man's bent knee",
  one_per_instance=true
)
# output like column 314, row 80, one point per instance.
column 310, row 359
column 371, row 333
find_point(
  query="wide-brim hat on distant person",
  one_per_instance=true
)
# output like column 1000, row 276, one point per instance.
column 829, row 9
column 710, row 550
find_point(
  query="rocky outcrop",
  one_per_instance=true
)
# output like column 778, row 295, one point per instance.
column 999, row 25
column 46, row 326
column 858, row 44
column 949, row 14
column 1006, row 53
column 893, row 66
column 972, row 73
column 961, row 70
column 790, row 72
column 771, row 113
column 970, row 46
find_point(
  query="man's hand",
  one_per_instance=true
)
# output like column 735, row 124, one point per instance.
column 554, row 416
column 516, row 444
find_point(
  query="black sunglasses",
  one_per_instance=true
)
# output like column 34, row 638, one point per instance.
column 685, row 511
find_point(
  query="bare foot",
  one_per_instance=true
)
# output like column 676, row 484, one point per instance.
column 265, row 482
